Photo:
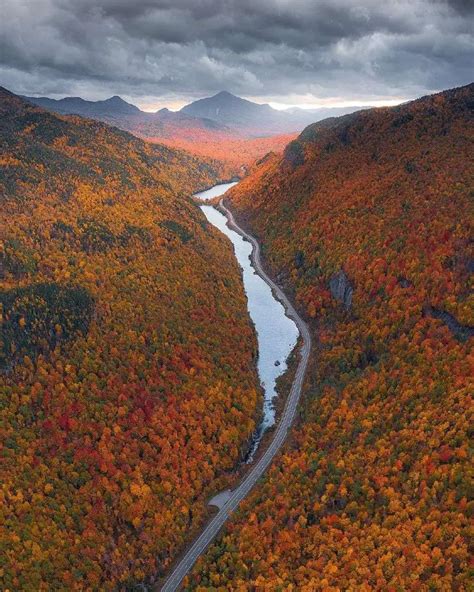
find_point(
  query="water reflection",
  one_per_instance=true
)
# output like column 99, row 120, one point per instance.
column 276, row 333
column 215, row 191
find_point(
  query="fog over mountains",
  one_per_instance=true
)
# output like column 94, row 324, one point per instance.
column 223, row 111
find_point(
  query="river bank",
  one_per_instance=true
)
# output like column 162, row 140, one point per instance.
column 277, row 334
column 185, row 564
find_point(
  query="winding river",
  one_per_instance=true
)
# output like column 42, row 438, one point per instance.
column 276, row 332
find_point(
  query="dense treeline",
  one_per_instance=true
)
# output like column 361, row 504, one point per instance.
column 123, row 394
column 369, row 220
column 236, row 153
column 234, row 150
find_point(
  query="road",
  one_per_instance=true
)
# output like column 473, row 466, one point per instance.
column 242, row 490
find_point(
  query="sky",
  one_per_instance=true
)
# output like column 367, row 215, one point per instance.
column 310, row 53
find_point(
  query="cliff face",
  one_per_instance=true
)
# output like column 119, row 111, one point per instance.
column 341, row 288
column 373, row 492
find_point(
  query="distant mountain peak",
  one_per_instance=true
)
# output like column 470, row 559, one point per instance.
column 225, row 93
column 117, row 102
column 114, row 106
column 116, row 99
column 228, row 97
column 234, row 111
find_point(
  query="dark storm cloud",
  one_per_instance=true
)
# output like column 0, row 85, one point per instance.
column 462, row 6
column 267, row 48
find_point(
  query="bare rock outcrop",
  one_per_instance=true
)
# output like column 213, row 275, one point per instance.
column 341, row 288
column 294, row 154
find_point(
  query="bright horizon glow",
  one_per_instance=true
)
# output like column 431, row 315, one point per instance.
column 151, row 107
column 330, row 103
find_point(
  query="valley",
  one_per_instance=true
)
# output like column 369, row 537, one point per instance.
column 271, row 312
column 224, row 127
column 145, row 333
column 276, row 333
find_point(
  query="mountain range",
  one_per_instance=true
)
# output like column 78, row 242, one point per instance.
column 223, row 112
column 118, row 112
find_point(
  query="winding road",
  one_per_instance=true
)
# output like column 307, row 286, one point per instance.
column 213, row 527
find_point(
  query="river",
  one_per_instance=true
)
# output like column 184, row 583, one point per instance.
column 215, row 191
column 277, row 334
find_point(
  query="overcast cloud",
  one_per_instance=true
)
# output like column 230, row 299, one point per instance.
column 281, row 50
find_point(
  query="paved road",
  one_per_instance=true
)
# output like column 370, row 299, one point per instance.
column 210, row 531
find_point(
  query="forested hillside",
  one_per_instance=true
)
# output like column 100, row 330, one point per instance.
column 233, row 148
column 367, row 219
column 236, row 153
column 123, row 392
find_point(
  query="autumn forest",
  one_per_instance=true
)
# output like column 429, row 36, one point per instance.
column 124, row 396
column 375, row 490
column 136, row 453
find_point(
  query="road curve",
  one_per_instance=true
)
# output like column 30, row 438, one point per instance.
column 241, row 491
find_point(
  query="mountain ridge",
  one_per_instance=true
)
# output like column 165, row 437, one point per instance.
column 226, row 111
column 257, row 118
column 114, row 105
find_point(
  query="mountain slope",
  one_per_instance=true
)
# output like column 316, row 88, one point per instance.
column 198, row 135
column 368, row 219
column 123, row 394
column 64, row 145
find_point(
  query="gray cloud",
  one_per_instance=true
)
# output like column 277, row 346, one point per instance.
column 353, row 49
